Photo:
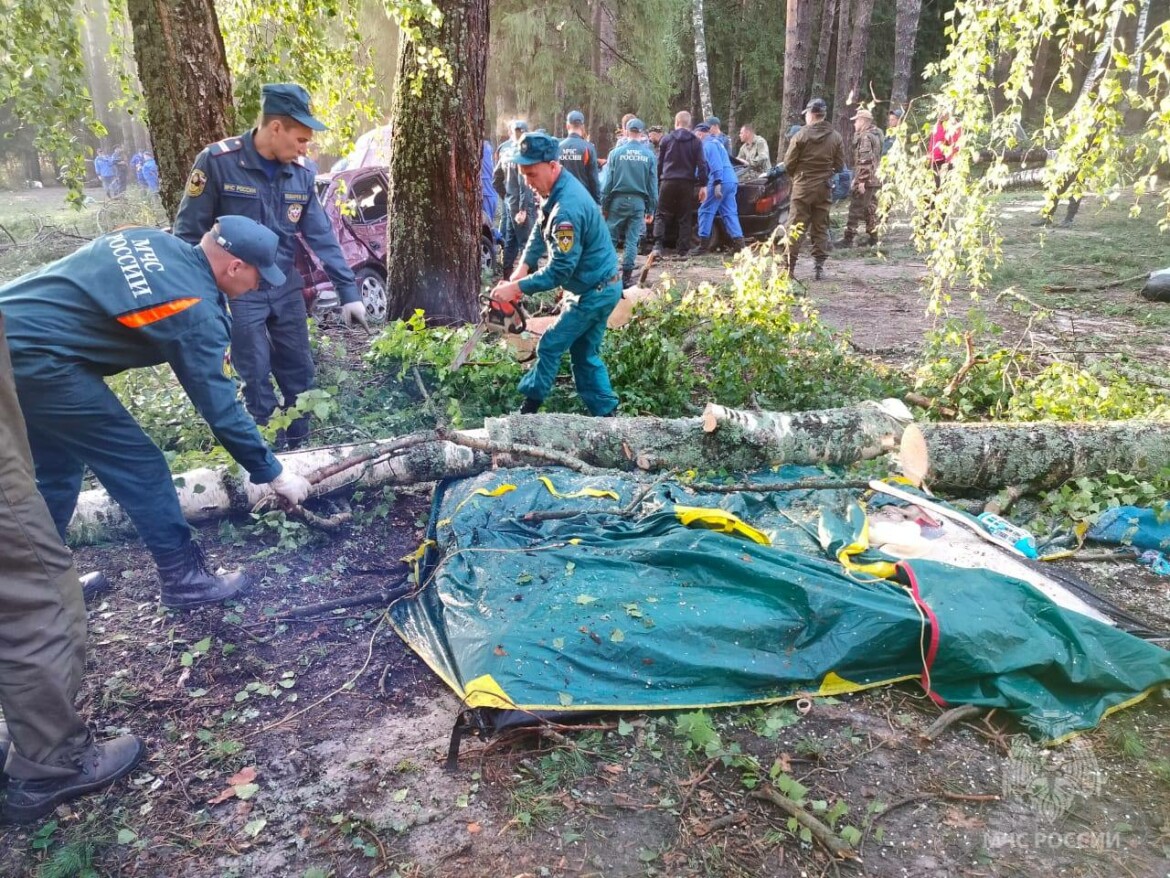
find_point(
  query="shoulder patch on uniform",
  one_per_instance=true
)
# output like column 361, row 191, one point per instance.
column 564, row 235
column 196, row 183
column 223, row 147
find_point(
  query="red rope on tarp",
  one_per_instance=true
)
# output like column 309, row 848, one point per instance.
column 932, row 646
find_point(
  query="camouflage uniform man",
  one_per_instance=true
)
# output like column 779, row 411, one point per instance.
column 867, row 154
column 814, row 155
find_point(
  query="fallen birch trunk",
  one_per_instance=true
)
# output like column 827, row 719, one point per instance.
column 985, row 457
column 207, row 494
column 723, row 439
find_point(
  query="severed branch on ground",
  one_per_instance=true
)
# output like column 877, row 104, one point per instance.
column 820, row 831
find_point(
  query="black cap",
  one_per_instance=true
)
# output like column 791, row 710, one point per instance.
column 818, row 106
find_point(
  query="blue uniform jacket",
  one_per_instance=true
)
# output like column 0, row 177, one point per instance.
column 137, row 297
column 573, row 235
column 632, row 169
column 580, row 158
column 719, row 167
column 486, row 169
column 229, row 178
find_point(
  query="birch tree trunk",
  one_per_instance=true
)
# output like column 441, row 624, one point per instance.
column 186, row 84
column 1098, row 65
column 796, row 55
column 1135, row 77
column 905, row 38
column 986, row 456
column 824, row 45
column 435, row 171
column 702, row 75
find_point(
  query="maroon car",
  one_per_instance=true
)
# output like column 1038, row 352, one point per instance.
column 356, row 203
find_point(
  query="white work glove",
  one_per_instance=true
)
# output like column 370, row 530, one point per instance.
column 353, row 314
column 290, row 487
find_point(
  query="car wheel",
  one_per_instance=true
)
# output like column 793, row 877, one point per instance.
column 372, row 287
column 487, row 255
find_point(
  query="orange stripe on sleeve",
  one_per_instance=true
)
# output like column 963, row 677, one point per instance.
column 147, row 316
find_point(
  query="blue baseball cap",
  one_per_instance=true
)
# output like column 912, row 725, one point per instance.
column 288, row 99
column 518, row 125
column 712, row 121
column 253, row 243
column 536, row 148
column 635, row 125
column 575, row 117
column 703, row 126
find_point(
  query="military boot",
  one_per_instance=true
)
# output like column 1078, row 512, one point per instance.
column 627, row 278
column 846, row 242
column 530, row 406
column 819, row 270
column 737, row 244
column 871, row 241
column 186, row 581
column 1074, row 205
column 703, row 248
column 102, row 764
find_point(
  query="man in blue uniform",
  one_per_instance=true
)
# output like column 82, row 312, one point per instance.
column 139, row 297
column 578, row 156
column 630, row 197
column 150, row 172
column 47, row 752
column 263, row 175
column 581, row 259
column 714, row 124
column 519, row 203
column 718, row 197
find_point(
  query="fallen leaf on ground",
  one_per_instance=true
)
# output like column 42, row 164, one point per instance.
column 473, row 828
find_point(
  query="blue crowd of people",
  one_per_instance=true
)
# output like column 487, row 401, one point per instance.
column 116, row 172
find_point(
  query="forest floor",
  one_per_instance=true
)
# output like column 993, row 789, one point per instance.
column 315, row 747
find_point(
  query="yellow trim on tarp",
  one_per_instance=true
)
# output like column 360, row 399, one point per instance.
column 834, row 684
column 498, row 491
column 486, row 692
column 720, row 520
column 414, row 559
column 880, row 569
column 1130, row 702
column 584, row 492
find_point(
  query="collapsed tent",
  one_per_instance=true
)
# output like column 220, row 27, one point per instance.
column 545, row 592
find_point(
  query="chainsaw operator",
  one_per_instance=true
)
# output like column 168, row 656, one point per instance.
column 139, row 297
column 571, row 233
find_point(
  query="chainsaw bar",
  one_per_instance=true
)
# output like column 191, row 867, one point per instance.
column 468, row 346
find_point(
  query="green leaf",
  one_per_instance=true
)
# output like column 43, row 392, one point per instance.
column 624, row 728
column 584, row 599
column 558, row 643
column 126, row 836
column 400, row 795
column 254, row 827
column 247, row 790
column 565, row 698
column 617, row 636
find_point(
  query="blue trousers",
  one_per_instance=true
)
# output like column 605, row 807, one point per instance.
column 270, row 338
column 725, row 208
column 627, row 223
column 579, row 331
column 75, row 422
column 515, row 238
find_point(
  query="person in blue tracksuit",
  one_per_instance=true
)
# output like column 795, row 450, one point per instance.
column 630, row 196
column 139, row 297
column 103, row 166
column 519, row 203
column 581, row 259
column 264, row 175
column 719, row 196
column 150, row 172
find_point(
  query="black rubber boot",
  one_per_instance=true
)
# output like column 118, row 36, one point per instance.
column 530, row 406
column 704, row 247
column 627, row 278
column 819, row 270
column 737, row 244
column 1074, row 204
column 92, row 585
column 30, row 800
column 186, row 581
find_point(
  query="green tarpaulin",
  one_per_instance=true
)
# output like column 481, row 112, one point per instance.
column 541, row 594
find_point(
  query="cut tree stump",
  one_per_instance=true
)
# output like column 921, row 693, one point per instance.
column 982, row 458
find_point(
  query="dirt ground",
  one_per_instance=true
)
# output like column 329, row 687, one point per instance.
column 283, row 746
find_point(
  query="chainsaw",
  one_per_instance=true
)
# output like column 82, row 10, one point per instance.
column 499, row 317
